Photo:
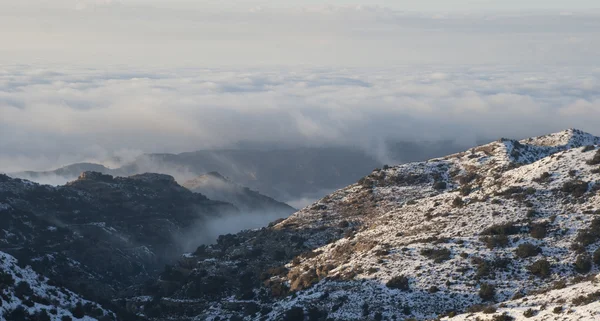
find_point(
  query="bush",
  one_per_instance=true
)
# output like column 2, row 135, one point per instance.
column 509, row 228
column 540, row 268
column 6, row 280
column 527, row 250
column 589, row 235
column 458, row 202
column 502, row 317
column 586, row 299
column 538, row 231
column 596, row 257
column 294, row 314
column 439, row 185
column 575, row 188
column 487, row 292
column 545, row 177
column 78, row 311
column 18, row 314
column 23, row 289
column 438, row 255
column 529, row 313
column 583, row 264
column 595, row 160
column 557, row 310
column 398, row 282
column 495, row 241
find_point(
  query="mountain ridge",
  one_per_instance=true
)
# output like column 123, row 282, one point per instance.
column 417, row 240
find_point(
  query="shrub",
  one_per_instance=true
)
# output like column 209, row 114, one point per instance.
column 487, row 292
column 527, row 250
column 540, row 268
column 529, row 313
column 586, row 299
column 18, row 314
column 6, row 280
column 458, row 202
column 66, row 318
column 502, row 317
column 465, row 190
column 557, row 310
column 587, row 148
column 545, row 177
column 439, row 185
column 78, row 311
column 575, row 188
column 438, row 255
column 509, row 228
column 595, row 160
column 398, row 282
column 589, row 235
column 583, row 264
column 495, row 241
column 23, row 289
column 596, row 257
column 489, row 309
column 538, row 231
column 294, row 314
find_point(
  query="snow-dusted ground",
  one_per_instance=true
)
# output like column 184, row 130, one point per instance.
column 57, row 302
column 396, row 214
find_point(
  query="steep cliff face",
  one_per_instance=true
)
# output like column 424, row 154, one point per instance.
column 505, row 220
column 101, row 235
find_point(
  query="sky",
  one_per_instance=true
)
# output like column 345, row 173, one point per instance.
column 91, row 79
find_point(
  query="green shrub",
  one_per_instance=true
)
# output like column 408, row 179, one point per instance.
column 596, row 257
column 529, row 313
column 398, row 282
column 487, row 292
column 575, row 188
column 495, row 241
column 502, row 317
column 595, row 160
column 538, row 231
column 583, row 264
column 438, row 255
column 439, row 185
column 509, row 228
column 527, row 250
column 540, row 268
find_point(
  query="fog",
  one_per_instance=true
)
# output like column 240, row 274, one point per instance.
column 51, row 118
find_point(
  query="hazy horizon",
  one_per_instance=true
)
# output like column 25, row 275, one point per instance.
column 93, row 80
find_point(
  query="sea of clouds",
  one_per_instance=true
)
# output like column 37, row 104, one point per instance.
column 54, row 116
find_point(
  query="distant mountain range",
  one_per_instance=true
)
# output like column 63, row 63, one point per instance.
column 295, row 176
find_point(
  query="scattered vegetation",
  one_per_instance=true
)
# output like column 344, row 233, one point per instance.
column 398, row 282
column 525, row 250
column 595, row 160
column 583, row 264
column 576, row 188
column 540, row 268
column 487, row 291
column 438, row 255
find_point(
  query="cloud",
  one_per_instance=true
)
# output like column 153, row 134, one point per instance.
column 51, row 117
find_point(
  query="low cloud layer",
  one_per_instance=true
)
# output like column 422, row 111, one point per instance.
column 51, row 117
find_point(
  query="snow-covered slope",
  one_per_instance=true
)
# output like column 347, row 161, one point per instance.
column 418, row 240
column 579, row 301
column 26, row 295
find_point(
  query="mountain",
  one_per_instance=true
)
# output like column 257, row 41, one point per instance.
column 492, row 228
column 27, row 295
column 216, row 187
column 284, row 174
column 100, row 235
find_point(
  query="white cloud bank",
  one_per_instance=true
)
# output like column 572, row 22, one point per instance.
column 51, row 117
